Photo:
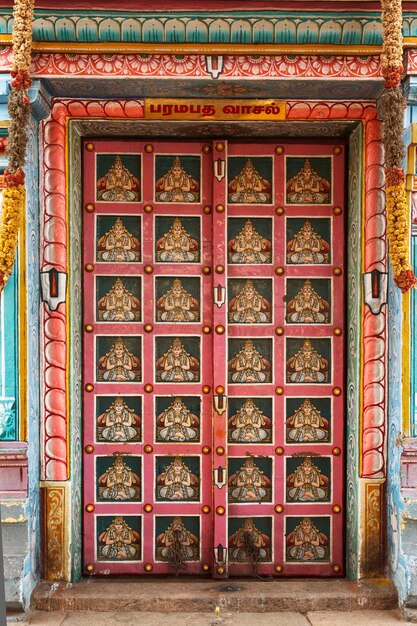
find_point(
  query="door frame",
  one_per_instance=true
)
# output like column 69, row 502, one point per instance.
column 366, row 250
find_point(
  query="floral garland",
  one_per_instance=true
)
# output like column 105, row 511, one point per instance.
column 393, row 105
column 19, row 112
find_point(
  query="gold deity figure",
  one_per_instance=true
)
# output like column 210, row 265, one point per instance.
column 177, row 186
column 248, row 187
column 248, row 424
column 119, row 541
column 118, row 245
column 177, row 543
column 307, row 483
column 177, row 365
column 307, row 307
column 249, row 366
column 119, row 305
column 307, row 187
column 248, row 484
column 177, row 305
column 307, row 366
column 177, row 246
column 249, row 540
column 249, row 307
column 119, row 482
column 118, row 185
column 307, row 247
column 177, row 482
column 307, row 424
column 178, row 423
column 119, row 422
column 306, row 542
column 249, row 246
column 119, row 364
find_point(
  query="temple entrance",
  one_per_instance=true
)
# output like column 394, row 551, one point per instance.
column 214, row 357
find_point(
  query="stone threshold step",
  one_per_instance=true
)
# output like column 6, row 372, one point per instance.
column 167, row 595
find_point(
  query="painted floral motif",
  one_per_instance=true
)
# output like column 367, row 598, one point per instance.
column 118, row 185
column 119, row 482
column 307, row 543
column 118, row 245
column 249, row 246
column 119, row 423
column 119, row 542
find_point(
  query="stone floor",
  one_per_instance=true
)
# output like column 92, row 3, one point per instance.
column 215, row 618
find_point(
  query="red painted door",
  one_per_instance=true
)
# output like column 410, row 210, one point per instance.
column 213, row 358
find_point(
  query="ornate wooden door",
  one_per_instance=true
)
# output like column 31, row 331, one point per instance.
column 213, row 358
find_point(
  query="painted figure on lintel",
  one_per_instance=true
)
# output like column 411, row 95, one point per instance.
column 119, row 423
column 177, row 482
column 249, row 366
column 119, row 364
column 118, row 185
column 249, row 307
column 119, row 304
column 249, row 246
column 308, row 187
column 248, row 484
column 248, row 187
column 177, row 246
column 177, row 543
column 249, row 424
column 177, row 305
column 307, row 366
column 119, row 541
column 306, row 542
column 307, row 424
column 247, row 541
column 307, row 307
column 177, row 186
column 307, row 247
column 177, row 365
column 118, row 245
column 119, row 482
column 307, row 483
column 178, row 423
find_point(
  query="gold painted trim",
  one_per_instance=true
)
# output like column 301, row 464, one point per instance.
column 193, row 48
column 22, row 330
column 56, row 530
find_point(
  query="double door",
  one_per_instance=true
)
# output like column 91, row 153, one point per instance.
column 213, row 356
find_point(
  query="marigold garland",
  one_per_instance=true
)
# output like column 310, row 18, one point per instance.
column 19, row 110
column 393, row 105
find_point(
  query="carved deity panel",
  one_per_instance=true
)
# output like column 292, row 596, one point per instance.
column 307, row 539
column 177, row 478
column 250, row 300
column 308, row 479
column 308, row 180
column 118, row 299
column 177, row 178
column 118, row 478
column 249, row 180
column 250, row 420
column 308, row 301
column 177, row 539
column 177, row 300
column 178, row 419
column 250, row 539
column 250, row 479
column 250, row 361
column 118, row 419
column 249, row 240
column 308, row 241
column 119, row 537
column 118, row 177
column 177, row 239
column 308, row 360
column 308, row 420
column 118, row 239
column 118, row 359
